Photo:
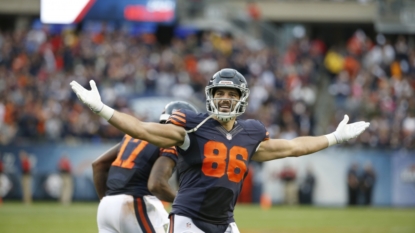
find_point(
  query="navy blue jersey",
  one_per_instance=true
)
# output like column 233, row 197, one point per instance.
column 129, row 173
column 212, row 170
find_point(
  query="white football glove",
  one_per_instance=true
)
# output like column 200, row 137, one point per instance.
column 92, row 99
column 345, row 132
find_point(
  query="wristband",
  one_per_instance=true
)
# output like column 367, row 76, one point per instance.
column 332, row 139
column 186, row 143
column 106, row 112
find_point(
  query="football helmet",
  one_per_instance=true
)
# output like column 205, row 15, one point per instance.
column 174, row 106
column 228, row 78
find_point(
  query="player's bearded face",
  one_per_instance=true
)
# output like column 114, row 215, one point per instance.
column 226, row 99
column 225, row 105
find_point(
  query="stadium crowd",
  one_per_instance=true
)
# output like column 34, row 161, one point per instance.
column 371, row 80
column 375, row 80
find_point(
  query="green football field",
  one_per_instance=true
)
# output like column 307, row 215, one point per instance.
column 81, row 217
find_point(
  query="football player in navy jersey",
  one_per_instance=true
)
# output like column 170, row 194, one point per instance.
column 214, row 149
column 128, row 175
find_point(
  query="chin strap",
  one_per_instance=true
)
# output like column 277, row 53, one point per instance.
column 201, row 123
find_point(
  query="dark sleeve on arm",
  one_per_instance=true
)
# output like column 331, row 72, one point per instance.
column 257, row 130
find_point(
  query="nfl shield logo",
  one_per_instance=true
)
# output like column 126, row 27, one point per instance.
column 188, row 225
column 229, row 136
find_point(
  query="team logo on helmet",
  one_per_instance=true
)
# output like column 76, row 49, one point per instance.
column 226, row 82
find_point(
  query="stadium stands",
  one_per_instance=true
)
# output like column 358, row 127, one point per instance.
column 371, row 79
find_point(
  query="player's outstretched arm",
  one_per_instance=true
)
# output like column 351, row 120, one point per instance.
column 161, row 135
column 157, row 134
column 100, row 169
column 158, row 182
column 280, row 148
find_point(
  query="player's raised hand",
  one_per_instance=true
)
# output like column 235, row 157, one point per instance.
column 345, row 132
column 91, row 98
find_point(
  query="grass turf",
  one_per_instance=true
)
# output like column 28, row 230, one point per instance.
column 50, row 217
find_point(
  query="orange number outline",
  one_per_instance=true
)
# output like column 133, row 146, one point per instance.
column 129, row 162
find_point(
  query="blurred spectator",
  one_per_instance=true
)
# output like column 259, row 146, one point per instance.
column 253, row 10
column 26, row 180
column 288, row 177
column 307, row 188
column 65, row 170
column 409, row 124
column 368, row 182
column 341, row 89
column 334, row 61
column 254, row 13
column 353, row 184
